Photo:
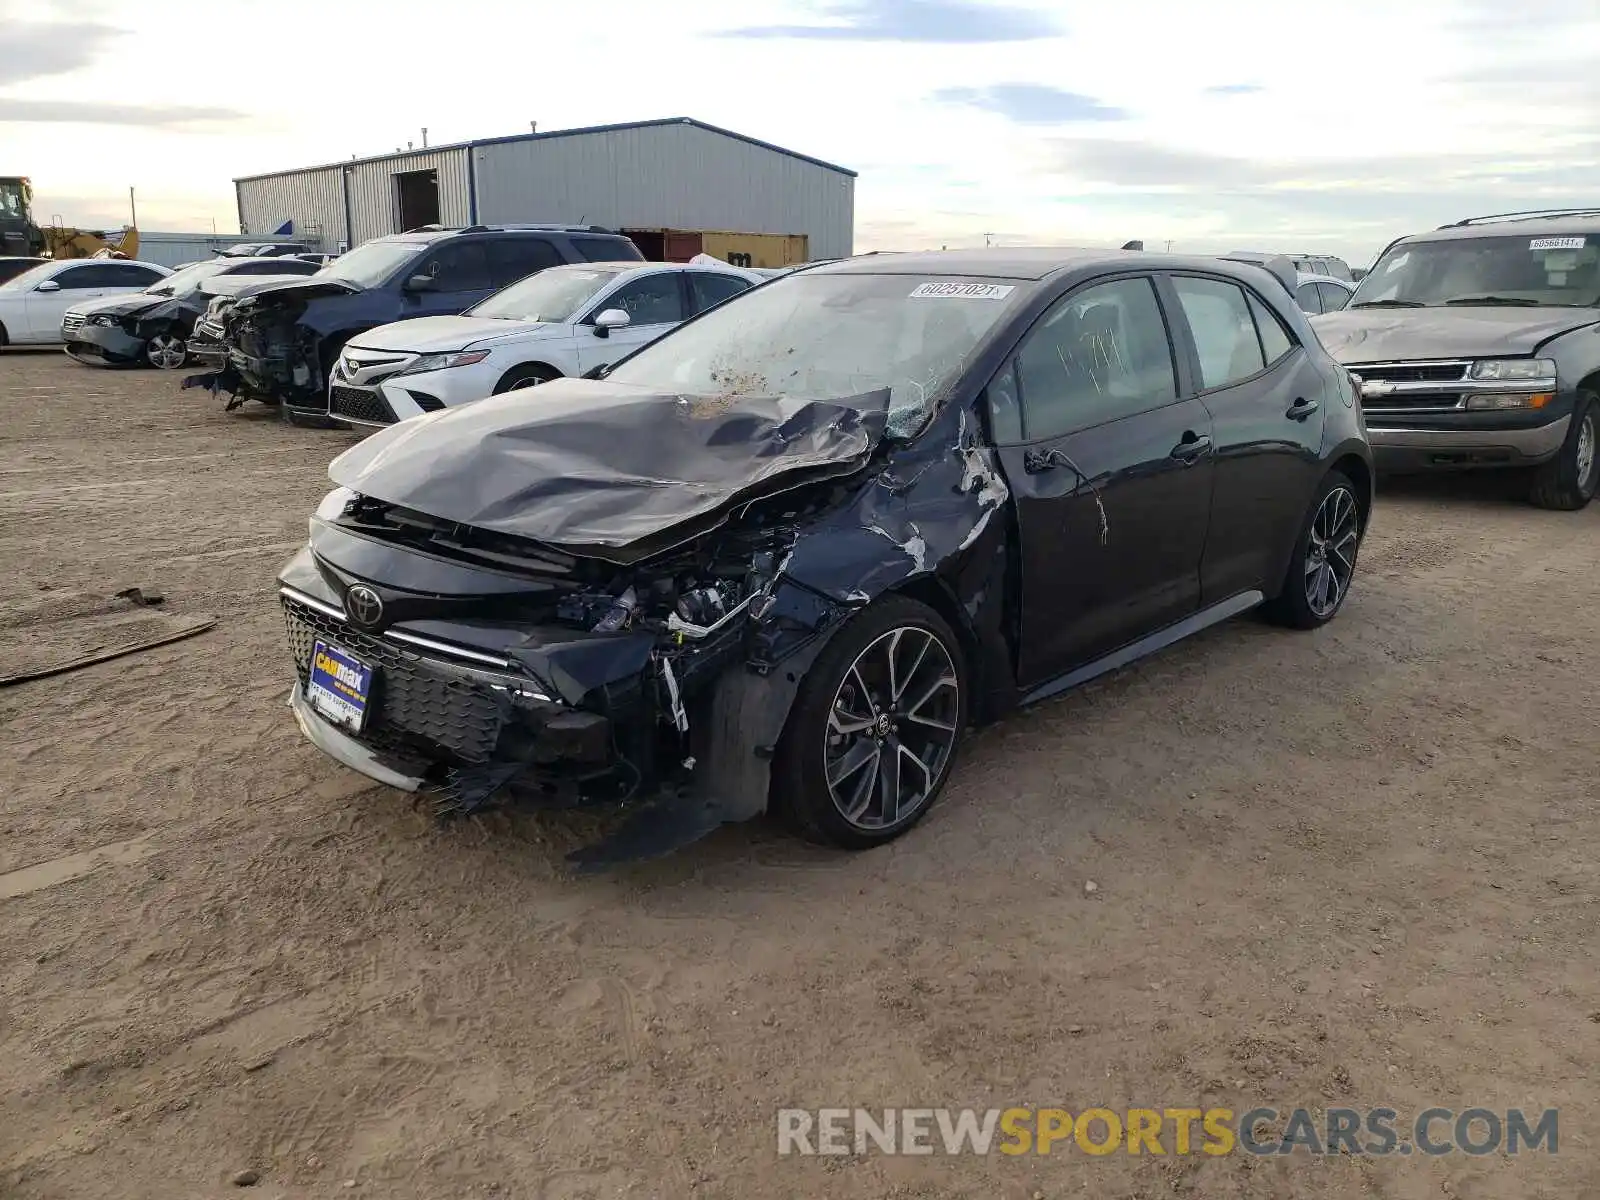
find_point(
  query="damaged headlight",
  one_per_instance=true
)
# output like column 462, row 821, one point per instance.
column 333, row 506
column 99, row 319
column 439, row 362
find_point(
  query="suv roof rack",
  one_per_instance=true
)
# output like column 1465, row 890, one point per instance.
column 1530, row 214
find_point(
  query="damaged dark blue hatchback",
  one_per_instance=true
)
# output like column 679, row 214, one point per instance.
column 785, row 556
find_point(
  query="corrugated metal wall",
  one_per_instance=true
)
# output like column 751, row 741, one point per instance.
column 171, row 249
column 313, row 200
column 374, row 206
column 665, row 176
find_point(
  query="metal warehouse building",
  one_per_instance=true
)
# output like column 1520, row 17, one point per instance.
column 656, row 180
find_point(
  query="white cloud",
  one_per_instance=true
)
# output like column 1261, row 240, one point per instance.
column 1329, row 126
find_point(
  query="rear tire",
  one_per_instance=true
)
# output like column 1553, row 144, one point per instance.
column 875, row 728
column 526, row 376
column 1569, row 480
column 1323, row 564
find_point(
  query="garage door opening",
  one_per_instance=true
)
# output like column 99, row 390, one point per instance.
column 418, row 193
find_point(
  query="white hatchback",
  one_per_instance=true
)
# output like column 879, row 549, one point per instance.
column 566, row 320
column 35, row 305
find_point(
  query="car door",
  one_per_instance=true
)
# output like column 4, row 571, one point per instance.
column 654, row 302
column 43, row 310
column 458, row 277
column 1108, row 457
column 1265, row 394
column 707, row 289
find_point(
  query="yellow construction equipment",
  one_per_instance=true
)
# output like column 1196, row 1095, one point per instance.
column 19, row 235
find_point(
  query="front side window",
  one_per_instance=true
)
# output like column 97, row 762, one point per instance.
column 1095, row 356
column 832, row 336
column 653, row 300
column 1502, row 270
column 457, row 267
column 1224, row 332
column 77, row 278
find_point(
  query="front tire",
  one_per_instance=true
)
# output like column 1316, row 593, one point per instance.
column 526, row 376
column 1323, row 564
column 1569, row 480
column 875, row 727
column 166, row 352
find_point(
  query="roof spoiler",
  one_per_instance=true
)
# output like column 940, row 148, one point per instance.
column 1277, row 265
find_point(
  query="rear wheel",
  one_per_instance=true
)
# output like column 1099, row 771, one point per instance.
column 166, row 352
column 1569, row 480
column 1324, row 559
column 527, row 376
column 875, row 727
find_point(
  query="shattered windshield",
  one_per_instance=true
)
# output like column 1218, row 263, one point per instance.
column 829, row 337
column 371, row 264
column 1501, row 270
column 553, row 295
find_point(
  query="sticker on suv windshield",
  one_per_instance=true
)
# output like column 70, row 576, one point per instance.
column 962, row 291
column 1566, row 243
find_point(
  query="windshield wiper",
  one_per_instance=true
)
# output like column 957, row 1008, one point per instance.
column 1390, row 304
column 1512, row 301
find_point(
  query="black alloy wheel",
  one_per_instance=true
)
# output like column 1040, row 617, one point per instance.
column 1323, row 564
column 875, row 727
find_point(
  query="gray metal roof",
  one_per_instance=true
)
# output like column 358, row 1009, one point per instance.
column 555, row 133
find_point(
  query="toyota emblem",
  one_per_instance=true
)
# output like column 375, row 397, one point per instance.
column 364, row 605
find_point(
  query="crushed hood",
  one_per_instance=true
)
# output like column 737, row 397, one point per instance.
column 1364, row 335
column 246, row 285
column 607, row 470
column 443, row 335
column 300, row 288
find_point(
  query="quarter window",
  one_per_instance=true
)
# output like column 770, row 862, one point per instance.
column 1096, row 355
column 1306, row 296
column 654, row 300
column 1224, row 332
column 1275, row 340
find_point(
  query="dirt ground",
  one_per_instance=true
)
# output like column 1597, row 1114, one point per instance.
column 1356, row 867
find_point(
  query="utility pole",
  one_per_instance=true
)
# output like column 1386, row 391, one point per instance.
column 133, row 211
column 424, row 137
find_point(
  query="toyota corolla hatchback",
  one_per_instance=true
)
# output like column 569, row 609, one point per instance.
column 785, row 556
column 564, row 321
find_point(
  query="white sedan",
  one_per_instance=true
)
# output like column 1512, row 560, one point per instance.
column 33, row 304
column 565, row 320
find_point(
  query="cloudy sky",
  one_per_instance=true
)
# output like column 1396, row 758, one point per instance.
column 1273, row 124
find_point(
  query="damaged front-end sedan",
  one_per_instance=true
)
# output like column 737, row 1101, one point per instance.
column 772, row 561
column 269, row 353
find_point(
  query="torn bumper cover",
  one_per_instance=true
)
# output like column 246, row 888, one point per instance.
column 102, row 342
column 621, row 647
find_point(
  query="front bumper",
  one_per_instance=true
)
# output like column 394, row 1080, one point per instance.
column 104, row 345
column 1421, row 449
column 398, row 397
column 338, row 745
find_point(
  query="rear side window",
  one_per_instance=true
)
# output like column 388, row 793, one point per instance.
column 1094, row 356
column 511, row 259
column 607, row 249
column 1275, row 339
column 1224, row 332
column 1306, row 296
column 457, row 267
column 1333, row 297
column 708, row 288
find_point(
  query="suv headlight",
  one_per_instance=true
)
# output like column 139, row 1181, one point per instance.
column 438, row 362
column 1515, row 370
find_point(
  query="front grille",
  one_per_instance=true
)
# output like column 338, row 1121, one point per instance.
column 1413, row 372
column 71, row 323
column 415, row 705
column 360, row 404
column 1412, row 402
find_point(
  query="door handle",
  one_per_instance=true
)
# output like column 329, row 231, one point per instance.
column 1191, row 447
column 1302, row 408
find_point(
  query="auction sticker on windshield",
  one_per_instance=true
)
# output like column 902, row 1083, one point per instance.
column 1561, row 243
column 962, row 290
column 339, row 686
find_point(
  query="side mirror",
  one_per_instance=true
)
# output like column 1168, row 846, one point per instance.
column 49, row 285
column 420, row 283
column 611, row 318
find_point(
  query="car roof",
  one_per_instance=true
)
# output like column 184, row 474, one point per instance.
column 87, row 262
column 1033, row 263
column 1313, row 277
column 1530, row 227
